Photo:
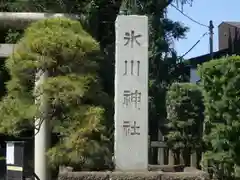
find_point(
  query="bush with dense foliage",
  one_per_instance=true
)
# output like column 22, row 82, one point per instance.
column 185, row 118
column 220, row 80
column 74, row 95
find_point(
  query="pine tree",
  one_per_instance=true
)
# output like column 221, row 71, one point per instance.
column 73, row 90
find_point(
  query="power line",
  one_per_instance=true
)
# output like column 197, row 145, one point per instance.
column 189, row 16
column 193, row 45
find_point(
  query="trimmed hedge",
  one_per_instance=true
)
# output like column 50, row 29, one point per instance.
column 220, row 80
column 185, row 117
column 197, row 175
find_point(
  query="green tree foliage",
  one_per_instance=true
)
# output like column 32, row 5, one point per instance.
column 164, row 65
column 220, row 80
column 73, row 91
column 98, row 17
column 185, row 118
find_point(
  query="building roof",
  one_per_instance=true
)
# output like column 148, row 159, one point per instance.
column 193, row 62
column 231, row 23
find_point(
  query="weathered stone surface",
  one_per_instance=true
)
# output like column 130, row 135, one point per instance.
column 196, row 175
column 84, row 176
column 135, row 176
column 131, row 94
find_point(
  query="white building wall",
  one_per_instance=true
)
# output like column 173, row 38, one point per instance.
column 194, row 77
column 6, row 49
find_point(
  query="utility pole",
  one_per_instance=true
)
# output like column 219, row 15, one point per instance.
column 211, row 38
column 205, row 164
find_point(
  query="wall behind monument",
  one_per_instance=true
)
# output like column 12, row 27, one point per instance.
column 194, row 77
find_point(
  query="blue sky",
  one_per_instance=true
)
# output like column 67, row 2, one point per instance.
column 203, row 11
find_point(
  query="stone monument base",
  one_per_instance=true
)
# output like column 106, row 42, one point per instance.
column 192, row 174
